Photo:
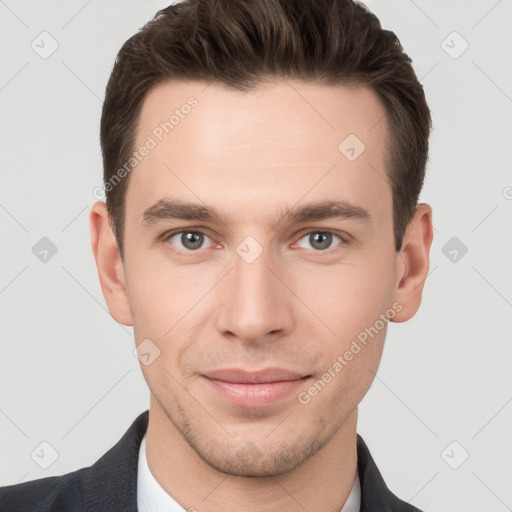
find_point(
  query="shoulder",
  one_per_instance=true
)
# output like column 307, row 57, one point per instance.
column 109, row 484
column 50, row 493
column 375, row 494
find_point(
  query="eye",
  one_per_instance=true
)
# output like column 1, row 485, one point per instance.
column 190, row 241
column 320, row 240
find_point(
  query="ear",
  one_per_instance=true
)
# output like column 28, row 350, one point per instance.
column 109, row 263
column 413, row 263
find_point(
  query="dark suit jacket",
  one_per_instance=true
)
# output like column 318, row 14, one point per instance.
column 110, row 484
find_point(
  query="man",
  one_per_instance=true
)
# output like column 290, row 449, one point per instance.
column 262, row 167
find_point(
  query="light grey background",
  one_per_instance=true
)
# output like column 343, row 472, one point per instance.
column 68, row 374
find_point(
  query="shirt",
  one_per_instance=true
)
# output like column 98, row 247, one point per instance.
column 151, row 497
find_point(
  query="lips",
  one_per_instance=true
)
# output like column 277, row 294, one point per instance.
column 257, row 377
column 254, row 389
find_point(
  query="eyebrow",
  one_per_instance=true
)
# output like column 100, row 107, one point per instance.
column 166, row 209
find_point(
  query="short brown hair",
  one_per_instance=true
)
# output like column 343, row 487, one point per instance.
column 241, row 43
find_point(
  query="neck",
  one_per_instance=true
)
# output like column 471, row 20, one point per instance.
column 321, row 484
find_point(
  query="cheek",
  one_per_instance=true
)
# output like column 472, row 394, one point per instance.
column 170, row 306
column 349, row 301
column 155, row 299
column 346, row 298
column 346, row 379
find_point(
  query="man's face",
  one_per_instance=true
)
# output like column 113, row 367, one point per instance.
column 260, row 289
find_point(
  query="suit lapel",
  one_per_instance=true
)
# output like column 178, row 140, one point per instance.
column 375, row 495
column 111, row 483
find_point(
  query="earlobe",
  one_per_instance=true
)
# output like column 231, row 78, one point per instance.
column 413, row 263
column 109, row 264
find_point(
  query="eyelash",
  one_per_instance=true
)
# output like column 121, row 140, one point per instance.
column 344, row 237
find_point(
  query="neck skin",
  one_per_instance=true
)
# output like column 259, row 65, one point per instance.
column 321, row 484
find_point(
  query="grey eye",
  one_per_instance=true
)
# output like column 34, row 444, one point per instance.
column 319, row 240
column 189, row 240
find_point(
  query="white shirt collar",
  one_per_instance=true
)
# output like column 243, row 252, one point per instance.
column 151, row 497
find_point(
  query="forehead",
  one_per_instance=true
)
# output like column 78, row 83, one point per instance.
column 274, row 144
column 312, row 113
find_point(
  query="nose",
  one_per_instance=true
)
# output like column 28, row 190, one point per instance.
column 256, row 302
